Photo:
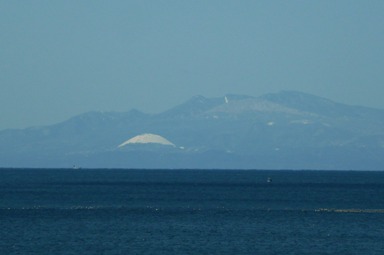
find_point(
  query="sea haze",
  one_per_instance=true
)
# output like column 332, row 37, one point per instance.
column 286, row 130
column 51, row 211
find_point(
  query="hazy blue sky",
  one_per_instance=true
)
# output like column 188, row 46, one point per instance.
column 62, row 58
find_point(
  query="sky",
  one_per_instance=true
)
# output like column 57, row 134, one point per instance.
column 66, row 57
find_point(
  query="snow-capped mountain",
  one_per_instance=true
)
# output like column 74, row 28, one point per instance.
column 286, row 130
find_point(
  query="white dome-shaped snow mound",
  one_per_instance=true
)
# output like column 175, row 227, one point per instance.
column 147, row 138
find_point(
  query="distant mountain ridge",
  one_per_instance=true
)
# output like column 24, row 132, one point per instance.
column 285, row 130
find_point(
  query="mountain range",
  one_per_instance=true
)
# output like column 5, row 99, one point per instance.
column 285, row 130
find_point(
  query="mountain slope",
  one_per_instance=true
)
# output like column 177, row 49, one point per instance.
column 282, row 130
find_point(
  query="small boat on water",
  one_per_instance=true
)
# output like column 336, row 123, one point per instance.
column 269, row 180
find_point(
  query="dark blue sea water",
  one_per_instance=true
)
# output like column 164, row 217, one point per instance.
column 46, row 211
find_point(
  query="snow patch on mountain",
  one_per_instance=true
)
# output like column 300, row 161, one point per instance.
column 147, row 138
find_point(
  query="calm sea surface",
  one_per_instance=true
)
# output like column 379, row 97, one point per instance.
column 46, row 211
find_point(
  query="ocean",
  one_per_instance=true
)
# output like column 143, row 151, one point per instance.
column 107, row 211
